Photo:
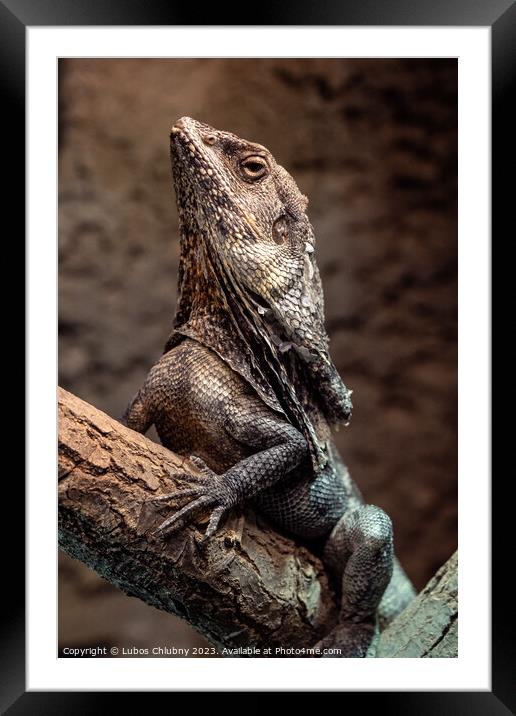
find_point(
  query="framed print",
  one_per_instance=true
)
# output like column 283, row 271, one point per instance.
column 208, row 506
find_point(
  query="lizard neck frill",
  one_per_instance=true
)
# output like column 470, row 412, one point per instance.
column 249, row 288
column 215, row 311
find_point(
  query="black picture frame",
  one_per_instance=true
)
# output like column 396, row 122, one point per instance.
column 500, row 16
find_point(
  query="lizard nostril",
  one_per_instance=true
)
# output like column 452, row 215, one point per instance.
column 209, row 139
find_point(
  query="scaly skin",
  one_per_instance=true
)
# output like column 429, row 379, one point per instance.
column 246, row 385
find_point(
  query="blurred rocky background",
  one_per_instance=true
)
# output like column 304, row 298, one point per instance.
column 373, row 144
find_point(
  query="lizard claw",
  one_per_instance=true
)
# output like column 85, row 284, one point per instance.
column 191, row 478
column 207, row 491
column 215, row 519
column 177, row 520
column 201, row 465
column 174, row 495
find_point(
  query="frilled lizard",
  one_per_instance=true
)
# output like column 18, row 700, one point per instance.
column 246, row 385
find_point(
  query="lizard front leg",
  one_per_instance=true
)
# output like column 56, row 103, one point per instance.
column 279, row 448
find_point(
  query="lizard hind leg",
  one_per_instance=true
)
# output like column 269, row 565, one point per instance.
column 359, row 552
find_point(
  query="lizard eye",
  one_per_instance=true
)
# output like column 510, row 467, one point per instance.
column 280, row 230
column 254, row 167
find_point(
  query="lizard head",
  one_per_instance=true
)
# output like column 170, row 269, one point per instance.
column 253, row 217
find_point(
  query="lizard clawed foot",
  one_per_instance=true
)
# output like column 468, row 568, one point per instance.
column 208, row 492
column 352, row 640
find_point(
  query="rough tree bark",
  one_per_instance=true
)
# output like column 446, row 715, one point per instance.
column 249, row 587
column 428, row 627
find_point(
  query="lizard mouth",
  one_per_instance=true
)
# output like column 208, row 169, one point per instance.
column 178, row 131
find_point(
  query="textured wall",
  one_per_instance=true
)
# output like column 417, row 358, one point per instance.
column 373, row 145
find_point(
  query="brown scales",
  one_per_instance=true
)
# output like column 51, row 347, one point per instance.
column 218, row 307
column 246, row 384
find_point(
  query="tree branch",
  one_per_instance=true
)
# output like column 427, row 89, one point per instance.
column 260, row 589
column 428, row 626
column 247, row 587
